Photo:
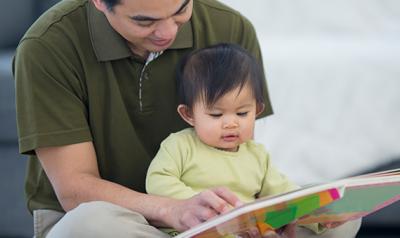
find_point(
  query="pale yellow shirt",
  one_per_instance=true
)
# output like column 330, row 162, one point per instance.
column 185, row 166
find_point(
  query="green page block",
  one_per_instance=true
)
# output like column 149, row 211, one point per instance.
column 294, row 210
column 307, row 205
column 280, row 218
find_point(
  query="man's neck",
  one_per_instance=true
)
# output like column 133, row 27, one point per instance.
column 139, row 52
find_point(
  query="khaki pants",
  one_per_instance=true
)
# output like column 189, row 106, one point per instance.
column 102, row 219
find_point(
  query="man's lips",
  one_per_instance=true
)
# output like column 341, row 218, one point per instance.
column 161, row 42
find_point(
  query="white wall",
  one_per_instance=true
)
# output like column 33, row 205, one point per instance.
column 333, row 70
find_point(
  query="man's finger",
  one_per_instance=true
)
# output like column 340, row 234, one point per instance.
column 210, row 199
column 228, row 196
column 189, row 221
column 206, row 213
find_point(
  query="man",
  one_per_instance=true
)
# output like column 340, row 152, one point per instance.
column 95, row 86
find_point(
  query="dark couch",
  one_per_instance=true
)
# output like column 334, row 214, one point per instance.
column 15, row 18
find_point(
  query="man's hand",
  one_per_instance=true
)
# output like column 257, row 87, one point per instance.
column 185, row 214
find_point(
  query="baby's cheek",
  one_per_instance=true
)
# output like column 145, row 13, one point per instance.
column 247, row 134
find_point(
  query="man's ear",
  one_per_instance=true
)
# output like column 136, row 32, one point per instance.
column 186, row 113
column 259, row 108
column 100, row 5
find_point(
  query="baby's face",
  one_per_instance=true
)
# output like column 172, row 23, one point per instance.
column 229, row 122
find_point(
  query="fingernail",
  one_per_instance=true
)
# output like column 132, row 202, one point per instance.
column 238, row 204
column 226, row 209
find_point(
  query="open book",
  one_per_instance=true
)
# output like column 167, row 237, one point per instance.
column 340, row 200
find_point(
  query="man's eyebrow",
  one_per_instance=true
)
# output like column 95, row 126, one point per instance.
column 148, row 18
column 184, row 4
column 144, row 18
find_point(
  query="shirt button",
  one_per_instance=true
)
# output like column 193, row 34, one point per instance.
column 146, row 75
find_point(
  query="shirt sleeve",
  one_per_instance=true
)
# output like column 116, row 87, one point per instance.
column 275, row 182
column 49, row 98
column 164, row 173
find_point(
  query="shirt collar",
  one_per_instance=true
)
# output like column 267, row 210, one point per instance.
column 109, row 45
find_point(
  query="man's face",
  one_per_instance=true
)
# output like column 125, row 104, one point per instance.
column 148, row 25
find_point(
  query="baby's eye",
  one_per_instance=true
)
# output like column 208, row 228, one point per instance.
column 242, row 114
column 215, row 115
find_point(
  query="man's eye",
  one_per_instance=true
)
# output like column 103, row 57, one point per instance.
column 145, row 23
column 216, row 115
column 182, row 11
column 242, row 114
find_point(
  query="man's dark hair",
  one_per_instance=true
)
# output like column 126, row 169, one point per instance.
column 111, row 3
column 209, row 73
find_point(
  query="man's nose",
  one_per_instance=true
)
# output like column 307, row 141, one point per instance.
column 166, row 29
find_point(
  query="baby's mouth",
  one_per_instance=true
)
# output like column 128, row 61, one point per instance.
column 231, row 137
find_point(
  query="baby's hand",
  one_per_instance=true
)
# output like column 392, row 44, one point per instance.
column 287, row 231
column 331, row 225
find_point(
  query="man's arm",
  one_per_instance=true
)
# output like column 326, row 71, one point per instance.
column 74, row 175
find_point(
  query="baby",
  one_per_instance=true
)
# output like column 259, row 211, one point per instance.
column 221, row 93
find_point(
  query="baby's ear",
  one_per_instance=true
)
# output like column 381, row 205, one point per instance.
column 260, row 108
column 186, row 113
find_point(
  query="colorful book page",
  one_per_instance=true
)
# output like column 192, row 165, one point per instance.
column 358, row 201
column 273, row 217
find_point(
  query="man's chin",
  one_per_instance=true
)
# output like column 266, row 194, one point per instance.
column 158, row 48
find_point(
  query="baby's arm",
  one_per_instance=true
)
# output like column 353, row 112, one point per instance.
column 274, row 182
column 165, row 171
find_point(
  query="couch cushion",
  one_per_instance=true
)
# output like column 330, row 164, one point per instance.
column 46, row 4
column 15, row 17
column 15, row 218
column 7, row 99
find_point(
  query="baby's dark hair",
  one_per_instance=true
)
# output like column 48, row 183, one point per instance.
column 209, row 73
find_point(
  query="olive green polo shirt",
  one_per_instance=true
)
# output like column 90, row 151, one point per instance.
column 77, row 81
